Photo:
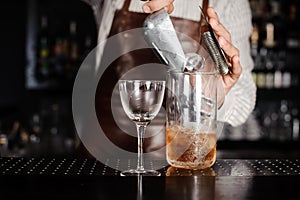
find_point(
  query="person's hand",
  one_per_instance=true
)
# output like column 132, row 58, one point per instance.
column 154, row 5
column 231, row 51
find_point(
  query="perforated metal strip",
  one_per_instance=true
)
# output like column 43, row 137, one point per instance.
column 222, row 167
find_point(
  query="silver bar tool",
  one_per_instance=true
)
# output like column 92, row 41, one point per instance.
column 214, row 49
column 160, row 34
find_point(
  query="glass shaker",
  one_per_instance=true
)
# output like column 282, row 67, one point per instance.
column 191, row 112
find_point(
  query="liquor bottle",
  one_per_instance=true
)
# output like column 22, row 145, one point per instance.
column 3, row 143
column 269, row 80
column 87, row 48
column 73, row 41
column 73, row 51
column 278, row 79
column 293, row 25
column 43, row 57
column 286, row 79
column 270, row 39
column 254, row 39
column 60, row 58
column 295, row 124
column 274, row 26
column 284, row 121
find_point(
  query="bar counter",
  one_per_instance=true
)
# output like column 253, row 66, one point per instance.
column 73, row 178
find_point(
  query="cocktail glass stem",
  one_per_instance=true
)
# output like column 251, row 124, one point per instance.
column 141, row 127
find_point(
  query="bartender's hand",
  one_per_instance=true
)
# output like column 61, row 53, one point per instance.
column 231, row 51
column 154, row 5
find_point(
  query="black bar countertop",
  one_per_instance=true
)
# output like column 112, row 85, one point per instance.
column 73, row 178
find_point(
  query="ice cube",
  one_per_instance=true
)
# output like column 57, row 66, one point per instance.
column 194, row 62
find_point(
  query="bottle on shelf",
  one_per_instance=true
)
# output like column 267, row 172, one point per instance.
column 3, row 143
column 279, row 23
column 293, row 25
column 254, row 40
column 73, row 59
column 270, row 70
column 284, row 121
column 73, row 41
column 295, row 123
column 60, row 52
column 87, row 48
column 279, row 120
column 269, row 40
column 43, row 56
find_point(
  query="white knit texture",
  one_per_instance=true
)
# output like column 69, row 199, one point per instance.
column 240, row 101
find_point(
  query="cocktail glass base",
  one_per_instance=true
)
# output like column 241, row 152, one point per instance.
column 135, row 172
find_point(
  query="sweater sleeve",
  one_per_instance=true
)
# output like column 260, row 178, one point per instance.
column 241, row 99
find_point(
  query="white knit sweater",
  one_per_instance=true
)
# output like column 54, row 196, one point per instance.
column 235, row 15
